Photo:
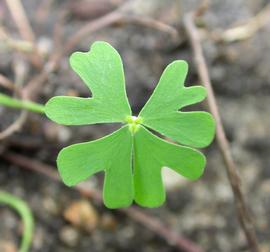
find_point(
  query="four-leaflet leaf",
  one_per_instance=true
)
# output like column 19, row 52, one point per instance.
column 131, row 157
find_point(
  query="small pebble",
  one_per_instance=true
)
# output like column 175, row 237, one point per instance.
column 82, row 214
column 108, row 222
column 69, row 236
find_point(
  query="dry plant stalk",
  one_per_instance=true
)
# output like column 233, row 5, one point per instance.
column 248, row 29
column 20, row 18
column 241, row 206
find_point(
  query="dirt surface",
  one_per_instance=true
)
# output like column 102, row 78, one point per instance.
column 204, row 210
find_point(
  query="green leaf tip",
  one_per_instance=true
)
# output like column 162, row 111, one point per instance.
column 132, row 157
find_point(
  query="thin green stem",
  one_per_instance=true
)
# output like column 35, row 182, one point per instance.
column 24, row 211
column 21, row 104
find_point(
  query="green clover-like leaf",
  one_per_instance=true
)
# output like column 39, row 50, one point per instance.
column 131, row 157
column 151, row 154
column 101, row 69
column 161, row 113
column 111, row 154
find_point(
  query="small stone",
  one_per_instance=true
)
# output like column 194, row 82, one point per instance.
column 108, row 222
column 6, row 246
column 264, row 247
column 64, row 134
column 265, row 187
column 44, row 46
column 127, row 233
column 57, row 132
column 69, row 236
column 50, row 206
column 82, row 215
column 39, row 239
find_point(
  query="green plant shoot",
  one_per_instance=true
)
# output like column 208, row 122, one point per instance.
column 131, row 157
column 27, row 218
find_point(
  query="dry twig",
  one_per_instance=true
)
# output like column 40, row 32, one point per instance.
column 18, row 45
column 21, row 20
column 43, row 10
column 248, row 29
column 241, row 206
column 15, row 126
column 151, row 23
column 6, row 83
column 99, row 23
column 20, row 75
column 118, row 16
column 58, row 31
column 19, row 16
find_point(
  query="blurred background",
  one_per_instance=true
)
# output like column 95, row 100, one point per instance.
column 34, row 51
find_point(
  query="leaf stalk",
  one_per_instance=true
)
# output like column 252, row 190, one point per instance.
column 21, row 104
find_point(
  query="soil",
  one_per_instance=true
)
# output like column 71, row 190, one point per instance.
column 204, row 210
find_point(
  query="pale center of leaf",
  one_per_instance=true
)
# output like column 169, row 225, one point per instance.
column 133, row 123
